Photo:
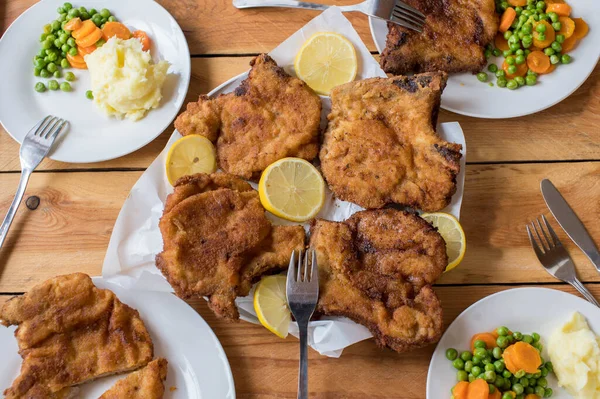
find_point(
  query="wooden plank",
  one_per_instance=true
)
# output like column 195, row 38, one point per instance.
column 71, row 228
column 266, row 367
column 566, row 131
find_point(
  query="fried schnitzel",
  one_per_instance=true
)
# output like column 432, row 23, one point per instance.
column 453, row 38
column 218, row 241
column 145, row 383
column 380, row 146
column 376, row 269
column 70, row 332
column 270, row 116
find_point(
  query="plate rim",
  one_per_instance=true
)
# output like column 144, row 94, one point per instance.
column 118, row 154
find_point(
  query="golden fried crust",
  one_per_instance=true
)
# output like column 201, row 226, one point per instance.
column 146, row 383
column 380, row 146
column 453, row 39
column 376, row 268
column 71, row 332
column 218, row 241
column 270, row 116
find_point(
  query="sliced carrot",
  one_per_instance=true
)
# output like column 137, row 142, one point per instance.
column 567, row 26
column 500, row 42
column 76, row 61
column 550, row 70
column 538, row 62
column 560, row 9
column 486, row 337
column 550, row 35
column 460, row 390
column 522, row 356
column 73, row 24
column 517, row 3
column 507, row 19
column 85, row 29
column 143, row 38
column 555, row 1
column 521, row 70
column 89, row 40
column 581, row 28
column 86, row 50
column 478, row 389
column 115, row 29
column 532, row 396
column 569, row 44
column 495, row 395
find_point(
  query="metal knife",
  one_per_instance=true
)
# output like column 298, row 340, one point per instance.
column 569, row 221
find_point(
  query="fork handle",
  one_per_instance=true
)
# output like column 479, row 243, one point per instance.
column 303, row 371
column 25, row 173
column 584, row 291
column 292, row 4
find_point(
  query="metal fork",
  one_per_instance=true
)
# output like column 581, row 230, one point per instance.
column 302, row 290
column 555, row 258
column 35, row 147
column 395, row 11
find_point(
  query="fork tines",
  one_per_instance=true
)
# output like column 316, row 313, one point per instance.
column 547, row 243
column 299, row 268
column 48, row 128
column 407, row 16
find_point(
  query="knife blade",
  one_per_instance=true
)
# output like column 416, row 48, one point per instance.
column 569, row 221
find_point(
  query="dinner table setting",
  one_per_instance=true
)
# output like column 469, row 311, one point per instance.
column 192, row 208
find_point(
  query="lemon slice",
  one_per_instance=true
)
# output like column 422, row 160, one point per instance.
column 451, row 230
column 188, row 155
column 270, row 305
column 292, row 188
column 326, row 60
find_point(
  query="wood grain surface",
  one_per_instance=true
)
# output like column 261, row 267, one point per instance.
column 70, row 229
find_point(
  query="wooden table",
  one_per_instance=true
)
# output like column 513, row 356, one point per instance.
column 70, row 229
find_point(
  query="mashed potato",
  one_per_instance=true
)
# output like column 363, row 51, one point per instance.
column 575, row 353
column 125, row 83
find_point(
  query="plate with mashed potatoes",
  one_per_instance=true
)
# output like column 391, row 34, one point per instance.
column 567, row 327
column 129, row 94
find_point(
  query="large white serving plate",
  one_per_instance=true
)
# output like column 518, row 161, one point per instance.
column 465, row 95
column 526, row 310
column 92, row 136
column 198, row 367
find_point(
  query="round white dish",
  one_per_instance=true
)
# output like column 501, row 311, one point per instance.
column 547, row 309
column 198, row 366
column 465, row 95
column 92, row 136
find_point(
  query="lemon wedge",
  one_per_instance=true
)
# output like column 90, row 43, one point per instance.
column 293, row 189
column 326, row 60
column 270, row 305
column 451, row 230
column 188, row 155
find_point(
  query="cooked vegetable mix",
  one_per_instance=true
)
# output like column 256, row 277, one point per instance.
column 532, row 36
column 502, row 364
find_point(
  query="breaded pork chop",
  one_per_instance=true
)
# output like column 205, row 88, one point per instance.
column 380, row 146
column 453, row 39
column 376, row 269
column 145, row 383
column 70, row 332
column 218, row 241
column 270, row 116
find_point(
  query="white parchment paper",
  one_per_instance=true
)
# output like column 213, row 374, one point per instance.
column 136, row 239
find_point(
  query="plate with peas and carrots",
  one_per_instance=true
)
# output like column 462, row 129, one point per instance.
column 544, row 50
column 499, row 347
column 48, row 45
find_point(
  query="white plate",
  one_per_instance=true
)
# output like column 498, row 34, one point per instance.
column 527, row 310
column 92, row 136
column 198, row 366
column 465, row 95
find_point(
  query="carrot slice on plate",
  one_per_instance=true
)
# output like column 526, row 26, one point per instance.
column 495, row 395
column 73, row 24
column 561, row 9
column 89, row 40
column 486, row 337
column 460, row 390
column 550, row 70
column 85, row 29
column 500, row 42
column 143, row 38
column 569, row 44
column 478, row 389
column 538, row 62
column 550, row 35
column 86, row 50
column 581, row 28
column 567, row 26
column 517, row 3
column 76, row 61
column 507, row 19
column 115, row 29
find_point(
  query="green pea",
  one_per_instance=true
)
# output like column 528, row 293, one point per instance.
column 524, row 381
column 480, row 352
column 476, row 360
column 40, row 63
column 67, row 6
column 451, row 354
column 518, row 388
column 97, row 19
column 507, row 53
column 507, row 395
column 538, row 345
column 510, row 60
column 506, row 374
column 55, row 25
column 523, row 17
column 100, row 43
column 541, row 36
column 73, row 51
column 496, row 52
column 92, row 11
column 105, row 13
column 557, row 47
column 489, row 376
column 62, row 18
column 560, row 38
column 486, row 360
column 489, row 367
column 512, row 69
column 527, row 28
column 461, row 375
column 500, row 73
column 519, row 10
column 504, row 5
column 548, row 392
column 476, row 370
column 549, row 51
column 520, row 80
column 62, row 24
column 529, row 390
column 70, row 76
column 82, row 9
column 458, row 364
column 499, row 381
column 472, row 378
column 466, row 355
column 65, row 64
column 51, row 67
column 530, row 80
column 553, row 16
column 520, row 59
column 482, row 77
column 554, row 59
column 40, row 87
column 519, row 374
column 527, row 338
column 36, row 71
column 527, row 52
column 468, row 363
column 60, row 10
column 112, row 18
column 57, row 74
column 65, row 86
column 479, row 344
column 44, row 73
column 501, row 82
column 43, row 37
column 487, row 53
column 507, row 34
column 71, row 42
column 540, row 5
column 556, row 26
column 565, row 59
column 84, row 15
column 492, row 388
column 74, row 13
column 515, row 46
column 541, row 28
column 543, row 16
column 53, row 85
column 498, row 366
